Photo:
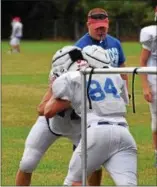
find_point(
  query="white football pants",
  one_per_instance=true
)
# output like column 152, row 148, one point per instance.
column 111, row 146
column 40, row 138
column 14, row 41
column 153, row 108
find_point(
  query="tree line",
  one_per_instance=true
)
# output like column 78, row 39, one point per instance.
column 44, row 19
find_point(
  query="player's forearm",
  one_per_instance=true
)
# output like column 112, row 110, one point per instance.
column 54, row 106
column 124, row 94
column 143, row 63
column 45, row 99
column 144, row 80
column 125, row 77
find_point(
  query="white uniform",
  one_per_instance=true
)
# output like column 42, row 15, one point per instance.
column 109, row 142
column 44, row 133
column 148, row 39
column 17, row 33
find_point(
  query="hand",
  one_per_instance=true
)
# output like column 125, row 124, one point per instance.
column 147, row 94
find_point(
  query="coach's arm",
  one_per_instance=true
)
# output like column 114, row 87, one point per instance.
column 125, row 76
column 145, row 54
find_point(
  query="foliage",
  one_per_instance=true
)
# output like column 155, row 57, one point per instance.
column 37, row 14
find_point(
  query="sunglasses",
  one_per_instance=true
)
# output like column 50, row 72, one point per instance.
column 98, row 16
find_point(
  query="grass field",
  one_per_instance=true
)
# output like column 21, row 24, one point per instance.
column 24, row 81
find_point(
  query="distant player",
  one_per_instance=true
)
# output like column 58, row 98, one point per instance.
column 109, row 142
column 16, row 35
column 148, row 39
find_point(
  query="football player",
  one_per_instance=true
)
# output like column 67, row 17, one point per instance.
column 148, row 39
column 109, row 142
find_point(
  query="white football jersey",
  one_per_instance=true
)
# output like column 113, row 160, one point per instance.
column 148, row 39
column 17, row 29
column 108, row 93
column 67, row 124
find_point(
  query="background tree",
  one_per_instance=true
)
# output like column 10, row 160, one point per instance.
column 55, row 19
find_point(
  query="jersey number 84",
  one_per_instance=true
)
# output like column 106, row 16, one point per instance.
column 98, row 92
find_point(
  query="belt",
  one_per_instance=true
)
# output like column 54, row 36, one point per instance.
column 110, row 123
column 123, row 124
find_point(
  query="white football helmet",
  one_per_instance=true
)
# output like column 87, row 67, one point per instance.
column 96, row 56
column 62, row 61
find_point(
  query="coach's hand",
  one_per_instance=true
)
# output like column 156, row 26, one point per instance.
column 147, row 94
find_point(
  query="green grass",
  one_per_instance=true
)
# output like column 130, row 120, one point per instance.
column 24, row 81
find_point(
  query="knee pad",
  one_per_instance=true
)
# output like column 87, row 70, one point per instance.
column 154, row 123
column 30, row 160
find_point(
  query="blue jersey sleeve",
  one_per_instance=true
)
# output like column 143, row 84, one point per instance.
column 80, row 44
